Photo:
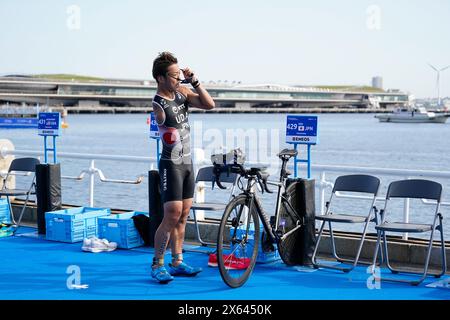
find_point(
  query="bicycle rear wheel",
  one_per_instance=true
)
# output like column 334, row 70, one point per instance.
column 237, row 243
column 287, row 247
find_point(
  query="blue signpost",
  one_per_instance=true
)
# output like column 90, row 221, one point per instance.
column 302, row 130
column 49, row 124
column 154, row 134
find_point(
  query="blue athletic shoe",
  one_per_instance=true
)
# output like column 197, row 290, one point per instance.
column 183, row 270
column 161, row 275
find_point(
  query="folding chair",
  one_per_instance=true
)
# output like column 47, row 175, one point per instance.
column 356, row 184
column 24, row 165
column 206, row 174
column 418, row 189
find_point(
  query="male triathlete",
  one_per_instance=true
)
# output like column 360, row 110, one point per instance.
column 171, row 105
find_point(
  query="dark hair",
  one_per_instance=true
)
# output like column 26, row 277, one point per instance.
column 161, row 63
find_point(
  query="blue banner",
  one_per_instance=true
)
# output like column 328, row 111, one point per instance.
column 18, row 123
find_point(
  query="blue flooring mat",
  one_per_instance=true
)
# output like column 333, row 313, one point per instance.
column 34, row 268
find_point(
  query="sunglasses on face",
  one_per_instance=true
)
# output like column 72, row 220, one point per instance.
column 176, row 76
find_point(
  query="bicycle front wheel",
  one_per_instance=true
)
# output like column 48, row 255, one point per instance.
column 237, row 243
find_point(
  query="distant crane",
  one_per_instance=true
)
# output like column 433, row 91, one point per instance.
column 438, row 82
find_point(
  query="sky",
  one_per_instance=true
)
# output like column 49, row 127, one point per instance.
column 284, row 42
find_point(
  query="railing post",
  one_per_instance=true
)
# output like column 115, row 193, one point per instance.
column 406, row 214
column 91, row 185
column 322, row 192
column 199, row 157
column 5, row 161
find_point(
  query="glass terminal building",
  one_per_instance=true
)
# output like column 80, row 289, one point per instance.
column 138, row 94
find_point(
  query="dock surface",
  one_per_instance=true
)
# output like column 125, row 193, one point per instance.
column 34, row 268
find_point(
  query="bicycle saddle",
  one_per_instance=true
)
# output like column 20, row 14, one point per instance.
column 288, row 153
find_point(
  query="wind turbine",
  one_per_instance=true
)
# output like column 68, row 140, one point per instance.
column 438, row 82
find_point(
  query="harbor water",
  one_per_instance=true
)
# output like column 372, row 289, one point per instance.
column 344, row 139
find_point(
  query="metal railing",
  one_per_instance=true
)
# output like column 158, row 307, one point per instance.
column 199, row 160
column 91, row 171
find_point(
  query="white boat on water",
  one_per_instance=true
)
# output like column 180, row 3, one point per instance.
column 412, row 115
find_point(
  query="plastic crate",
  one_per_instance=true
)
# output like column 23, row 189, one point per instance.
column 5, row 215
column 120, row 228
column 73, row 225
column 263, row 257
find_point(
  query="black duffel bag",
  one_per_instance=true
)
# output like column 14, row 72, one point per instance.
column 147, row 226
column 298, row 247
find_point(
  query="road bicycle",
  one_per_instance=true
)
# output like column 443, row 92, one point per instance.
column 239, row 237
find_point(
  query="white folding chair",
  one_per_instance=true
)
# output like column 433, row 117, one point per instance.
column 206, row 174
column 415, row 189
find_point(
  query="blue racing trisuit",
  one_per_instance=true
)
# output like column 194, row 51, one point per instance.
column 175, row 165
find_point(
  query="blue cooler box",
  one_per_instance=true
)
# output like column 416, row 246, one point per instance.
column 120, row 228
column 73, row 225
column 263, row 257
column 5, row 216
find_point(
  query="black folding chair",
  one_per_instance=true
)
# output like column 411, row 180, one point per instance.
column 26, row 166
column 418, row 189
column 357, row 183
column 206, row 174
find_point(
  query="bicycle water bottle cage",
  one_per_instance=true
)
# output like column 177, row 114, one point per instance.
column 272, row 221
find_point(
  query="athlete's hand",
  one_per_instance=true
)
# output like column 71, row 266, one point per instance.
column 189, row 75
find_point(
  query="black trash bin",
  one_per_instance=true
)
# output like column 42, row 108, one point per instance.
column 156, row 210
column 48, row 192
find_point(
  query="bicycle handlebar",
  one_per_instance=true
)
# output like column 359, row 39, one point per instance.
column 219, row 169
column 262, row 180
column 261, row 177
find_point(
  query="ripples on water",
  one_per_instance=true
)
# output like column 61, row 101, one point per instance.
column 344, row 139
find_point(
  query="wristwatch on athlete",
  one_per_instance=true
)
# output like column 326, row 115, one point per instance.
column 195, row 84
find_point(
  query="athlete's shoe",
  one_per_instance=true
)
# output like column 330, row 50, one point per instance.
column 96, row 245
column 161, row 275
column 183, row 270
column 6, row 230
column 231, row 261
column 212, row 260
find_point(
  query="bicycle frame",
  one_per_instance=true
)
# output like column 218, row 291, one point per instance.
column 272, row 231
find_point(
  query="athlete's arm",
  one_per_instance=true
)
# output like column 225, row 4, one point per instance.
column 200, row 98
column 160, row 117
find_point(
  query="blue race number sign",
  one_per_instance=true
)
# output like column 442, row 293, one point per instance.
column 154, row 133
column 49, row 124
column 301, row 129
